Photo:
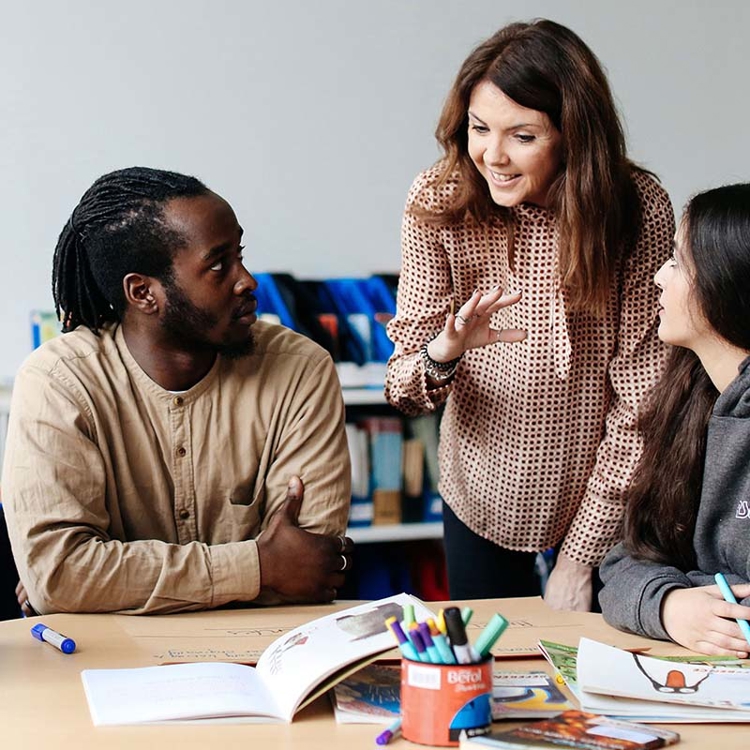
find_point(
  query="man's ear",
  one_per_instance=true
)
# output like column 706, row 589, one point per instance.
column 144, row 293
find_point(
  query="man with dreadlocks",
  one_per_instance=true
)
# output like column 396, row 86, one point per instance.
column 157, row 450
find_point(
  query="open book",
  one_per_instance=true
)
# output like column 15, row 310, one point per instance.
column 611, row 681
column 293, row 671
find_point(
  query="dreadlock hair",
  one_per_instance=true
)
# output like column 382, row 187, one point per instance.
column 117, row 228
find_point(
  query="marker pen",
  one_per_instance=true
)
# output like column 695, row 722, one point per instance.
column 404, row 644
column 488, row 637
column 466, row 615
column 729, row 596
column 441, row 622
column 446, row 655
column 387, row 734
column 465, row 654
column 432, row 652
column 58, row 640
column 419, row 647
column 408, row 615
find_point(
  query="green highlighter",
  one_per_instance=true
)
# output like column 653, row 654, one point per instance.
column 494, row 629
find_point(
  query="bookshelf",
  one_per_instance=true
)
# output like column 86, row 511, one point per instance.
column 403, row 532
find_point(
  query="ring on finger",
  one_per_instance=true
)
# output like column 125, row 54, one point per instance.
column 464, row 320
column 342, row 539
column 344, row 563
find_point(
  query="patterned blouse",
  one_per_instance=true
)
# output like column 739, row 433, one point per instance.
column 537, row 439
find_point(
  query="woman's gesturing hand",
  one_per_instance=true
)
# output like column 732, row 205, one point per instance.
column 469, row 327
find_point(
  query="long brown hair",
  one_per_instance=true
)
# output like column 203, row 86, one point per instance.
column 663, row 499
column 546, row 67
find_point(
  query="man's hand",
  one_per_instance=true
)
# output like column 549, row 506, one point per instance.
column 297, row 565
column 569, row 586
column 23, row 601
column 700, row 619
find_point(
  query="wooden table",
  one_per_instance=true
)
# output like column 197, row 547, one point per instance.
column 42, row 702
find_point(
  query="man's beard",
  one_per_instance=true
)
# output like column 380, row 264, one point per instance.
column 188, row 324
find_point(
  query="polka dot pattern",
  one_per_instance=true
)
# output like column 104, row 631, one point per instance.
column 537, row 439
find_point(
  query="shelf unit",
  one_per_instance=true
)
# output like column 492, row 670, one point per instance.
column 402, row 532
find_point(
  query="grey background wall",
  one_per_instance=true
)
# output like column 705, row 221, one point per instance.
column 312, row 117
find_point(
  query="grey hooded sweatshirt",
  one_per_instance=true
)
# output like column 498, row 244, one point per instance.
column 634, row 588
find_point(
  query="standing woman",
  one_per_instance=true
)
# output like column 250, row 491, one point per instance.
column 534, row 228
column 688, row 512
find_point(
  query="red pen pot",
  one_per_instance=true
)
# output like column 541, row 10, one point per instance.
column 440, row 701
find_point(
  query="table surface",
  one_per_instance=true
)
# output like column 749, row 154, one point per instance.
column 42, row 702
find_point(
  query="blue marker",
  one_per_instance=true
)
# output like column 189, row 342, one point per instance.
column 446, row 655
column 726, row 592
column 406, row 647
column 432, row 652
column 490, row 634
column 58, row 640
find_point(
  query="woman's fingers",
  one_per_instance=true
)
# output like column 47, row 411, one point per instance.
column 505, row 300
column 509, row 335
column 479, row 305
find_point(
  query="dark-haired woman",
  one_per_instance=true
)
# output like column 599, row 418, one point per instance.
column 688, row 513
column 526, row 306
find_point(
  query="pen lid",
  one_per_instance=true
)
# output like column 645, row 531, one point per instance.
column 455, row 626
column 37, row 631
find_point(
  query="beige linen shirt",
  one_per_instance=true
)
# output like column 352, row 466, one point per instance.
column 122, row 496
column 537, row 439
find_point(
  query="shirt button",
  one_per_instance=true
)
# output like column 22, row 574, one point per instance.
column 181, row 451
column 177, row 401
column 184, row 513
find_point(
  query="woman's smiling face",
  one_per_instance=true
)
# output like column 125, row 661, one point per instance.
column 517, row 150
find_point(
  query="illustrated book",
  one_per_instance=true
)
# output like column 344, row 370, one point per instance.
column 293, row 671
column 649, row 689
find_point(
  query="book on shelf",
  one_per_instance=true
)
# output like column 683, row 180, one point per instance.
column 294, row 670
column 575, row 729
column 413, row 470
column 426, row 429
column 386, row 467
column 361, row 510
column 631, row 685
column 45, row 325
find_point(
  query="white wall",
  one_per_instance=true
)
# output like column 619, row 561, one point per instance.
column 312, row 116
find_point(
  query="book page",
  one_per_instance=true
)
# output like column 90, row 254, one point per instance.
column 303, row 658
column 176, row 692
column 613, row 672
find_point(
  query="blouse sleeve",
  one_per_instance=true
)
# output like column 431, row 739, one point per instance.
column 636, row 366
column 424, row 297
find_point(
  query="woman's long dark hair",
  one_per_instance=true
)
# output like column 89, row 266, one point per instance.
column 546, row 67
column 663, row 499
